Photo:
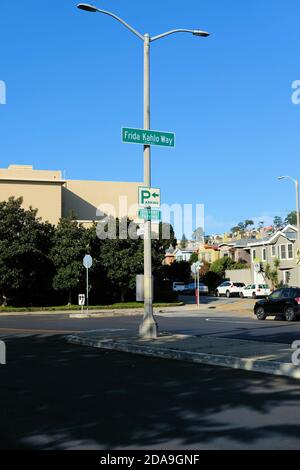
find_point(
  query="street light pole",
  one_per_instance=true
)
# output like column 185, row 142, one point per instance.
column 296, row 183
column 148, row 327
column 298, row 227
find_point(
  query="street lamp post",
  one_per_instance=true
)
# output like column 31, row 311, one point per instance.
column 296, row 182
column 148, row 327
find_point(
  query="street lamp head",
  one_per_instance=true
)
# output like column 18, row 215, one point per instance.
column 87, row 7
column 281, row 177
column 203, row 34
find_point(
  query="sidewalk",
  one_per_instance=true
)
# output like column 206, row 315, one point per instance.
column 269, row 358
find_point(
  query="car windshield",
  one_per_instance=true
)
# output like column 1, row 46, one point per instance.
column 263, row 286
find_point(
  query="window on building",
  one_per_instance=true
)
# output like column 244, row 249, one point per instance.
column 253, row 255
column 283, row 251
column 273, row 251
column 264, row 254
column 290, row 251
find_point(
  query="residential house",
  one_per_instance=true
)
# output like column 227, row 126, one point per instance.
column 238, row 250
column 183, row 254
column 208, row 253
column 282, row 245
column 169, row 256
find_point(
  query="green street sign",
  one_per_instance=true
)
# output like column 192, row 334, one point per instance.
column 149, row 214
column 143, row 137
column 149, row 197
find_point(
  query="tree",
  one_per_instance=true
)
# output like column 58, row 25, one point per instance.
column 179, row 271
column 198, row 235
column 261, row 225
column 272, row 273
column 242, row 227
column 183, row 243
column 221, row 265
column 212, row 280
column 122, row 260
column 291, row 218
column 70, row 244
column 227, row 264
column 194, row 258
column 25, row 269
column 278, row 223
column 248, row 223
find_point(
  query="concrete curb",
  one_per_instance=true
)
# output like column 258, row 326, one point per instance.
column 250, row 365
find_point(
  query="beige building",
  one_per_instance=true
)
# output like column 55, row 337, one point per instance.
column 55, row 197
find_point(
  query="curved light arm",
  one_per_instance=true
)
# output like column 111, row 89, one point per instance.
column 91, row 8
column 288, row 178
column 195, row 32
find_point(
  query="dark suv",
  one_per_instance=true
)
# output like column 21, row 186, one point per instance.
column 284, row 301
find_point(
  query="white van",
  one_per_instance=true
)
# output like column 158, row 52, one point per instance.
column 178, row 286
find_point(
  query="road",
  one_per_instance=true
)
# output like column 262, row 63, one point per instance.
column 207, row 322
column 59, row 396
column 54, row 395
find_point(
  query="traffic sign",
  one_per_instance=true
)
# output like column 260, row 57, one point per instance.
column 147, row 137
column 149, row 214
column 87, row 261
column 257, row 267
column 81, row 299
column 196, row 266
column 149, row 197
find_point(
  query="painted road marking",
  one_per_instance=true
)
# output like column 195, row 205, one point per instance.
column 253, row 322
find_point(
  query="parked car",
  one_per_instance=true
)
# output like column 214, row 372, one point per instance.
column 178, row 286
column 190, row 289
column 284, row 301
column 256, row 290
column 230, row 289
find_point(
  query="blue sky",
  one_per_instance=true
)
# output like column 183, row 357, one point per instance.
column 74, row 79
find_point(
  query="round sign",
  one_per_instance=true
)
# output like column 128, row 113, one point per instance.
column 257, row 267
column 196, row 266
column 87, row 261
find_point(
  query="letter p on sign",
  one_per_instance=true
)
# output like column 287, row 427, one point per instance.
column 145, row 196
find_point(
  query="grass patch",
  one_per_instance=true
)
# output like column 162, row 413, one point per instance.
column 117, row 306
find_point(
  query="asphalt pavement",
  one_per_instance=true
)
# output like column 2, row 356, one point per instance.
column 203, row 323
column 55, row 396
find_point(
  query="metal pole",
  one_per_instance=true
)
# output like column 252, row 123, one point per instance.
column 298, row 227
column 87, row 290
column 148, row 327
column 198, row 287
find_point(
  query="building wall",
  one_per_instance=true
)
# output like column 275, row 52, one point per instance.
column 208, row 254
column 242, row 255
column 39, row 189
column 55, row 198
column 225, row 250
column 84, row 198
column 239, row 275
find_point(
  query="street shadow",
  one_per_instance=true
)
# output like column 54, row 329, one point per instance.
column 55, row 395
